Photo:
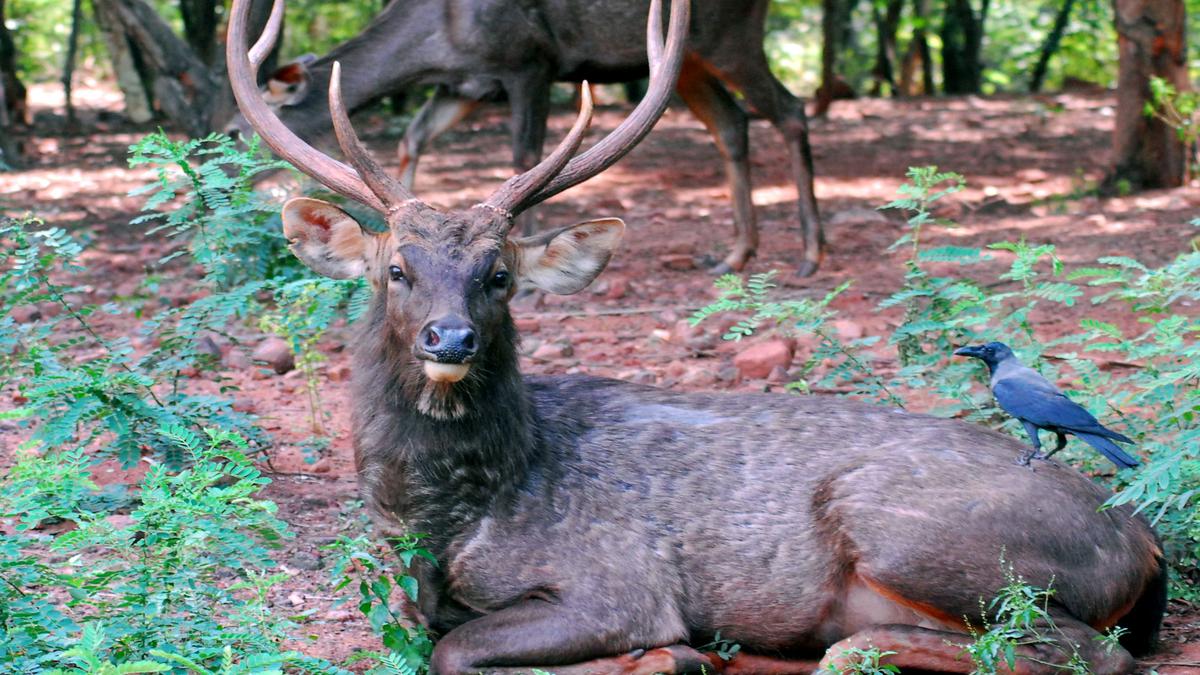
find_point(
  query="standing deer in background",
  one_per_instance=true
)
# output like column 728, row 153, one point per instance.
column 478, row 49
column 588, row 525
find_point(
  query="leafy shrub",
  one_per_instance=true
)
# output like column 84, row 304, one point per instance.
column 139, row 597
column 141, row 594
column 304, row 311
column 1152, row 386
column 235, row 233
column 231, row 230
column 864, row 662
column 82, row 387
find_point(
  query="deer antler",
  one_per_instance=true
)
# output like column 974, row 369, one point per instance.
column 366, row 182
column 554, row 173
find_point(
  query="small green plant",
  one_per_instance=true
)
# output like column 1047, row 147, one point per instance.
column 793, row 318
column 304, row 311
column 357, row 563
column 234, row 233
column 867, row 661
column 722, row 647
column 90, row 657
column 1016, row 624
column 110, row 397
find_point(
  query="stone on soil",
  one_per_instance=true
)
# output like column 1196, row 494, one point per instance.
column 757, row 361
column 276, row 353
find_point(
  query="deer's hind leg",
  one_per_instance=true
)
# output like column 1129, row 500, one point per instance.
column 747, row 72
column 927, row 649
column 712, row 104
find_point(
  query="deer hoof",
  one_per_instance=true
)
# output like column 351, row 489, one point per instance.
column 720, row 269
column 806, row 269
column 675, row 660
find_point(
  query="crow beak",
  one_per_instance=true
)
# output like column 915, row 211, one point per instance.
column 967, row 351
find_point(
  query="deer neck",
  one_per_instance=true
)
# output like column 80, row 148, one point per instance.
column 450, row 469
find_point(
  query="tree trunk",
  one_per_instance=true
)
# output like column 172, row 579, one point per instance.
column 835, row 29
column 1050, row 46
column 200, row 27
column 69, row 62
column 918, row 55
column 1151, row 43
column 10, row 156
column 185, row 90
column 962, row 39
column 182, row 87
column 223, row 106
column 886, row 23
column 14, row 108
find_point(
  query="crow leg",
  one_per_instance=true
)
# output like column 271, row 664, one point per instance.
column 1032, row 430
column 1059, row 444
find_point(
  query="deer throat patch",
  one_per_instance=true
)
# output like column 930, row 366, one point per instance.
column 444, row 400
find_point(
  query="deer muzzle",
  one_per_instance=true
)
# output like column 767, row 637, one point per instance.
column 447, row 346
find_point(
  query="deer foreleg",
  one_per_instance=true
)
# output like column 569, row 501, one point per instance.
column 442, row 111
column 551, row 637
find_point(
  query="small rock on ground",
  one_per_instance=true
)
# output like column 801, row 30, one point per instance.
column 757, row 361
column 276, row 353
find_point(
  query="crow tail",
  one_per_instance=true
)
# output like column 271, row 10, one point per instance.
column 1104, row 431
column 1108, row 449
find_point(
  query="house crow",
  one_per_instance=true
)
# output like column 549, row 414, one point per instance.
column 1038, row 404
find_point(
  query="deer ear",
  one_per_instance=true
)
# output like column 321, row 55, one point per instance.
column 565, row 261
column 326, row 238
column 288, row 84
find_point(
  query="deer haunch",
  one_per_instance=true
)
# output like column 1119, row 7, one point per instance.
column 578, row 521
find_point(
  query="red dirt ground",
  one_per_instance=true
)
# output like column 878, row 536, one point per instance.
column 1028, row 161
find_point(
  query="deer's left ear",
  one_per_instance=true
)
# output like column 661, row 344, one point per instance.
column 565, row 261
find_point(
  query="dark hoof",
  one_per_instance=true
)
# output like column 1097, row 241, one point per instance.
column 720, row 269
column 676, row 659
column 806, row 269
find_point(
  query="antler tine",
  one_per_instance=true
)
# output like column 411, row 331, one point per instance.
column 516, row 189
column 388, row 189
column 266, row 42
column 665, row 64
column 243, row 69
column 654, row 38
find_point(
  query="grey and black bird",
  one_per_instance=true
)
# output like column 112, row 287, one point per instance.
column 1038, row 404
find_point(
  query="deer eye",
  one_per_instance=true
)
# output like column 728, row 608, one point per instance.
column 396, row 273
column 500, row 279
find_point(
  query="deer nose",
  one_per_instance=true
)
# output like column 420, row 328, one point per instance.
column 449, row 341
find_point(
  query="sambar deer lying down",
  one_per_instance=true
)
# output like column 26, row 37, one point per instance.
column 476, row 49
column 589, row 525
